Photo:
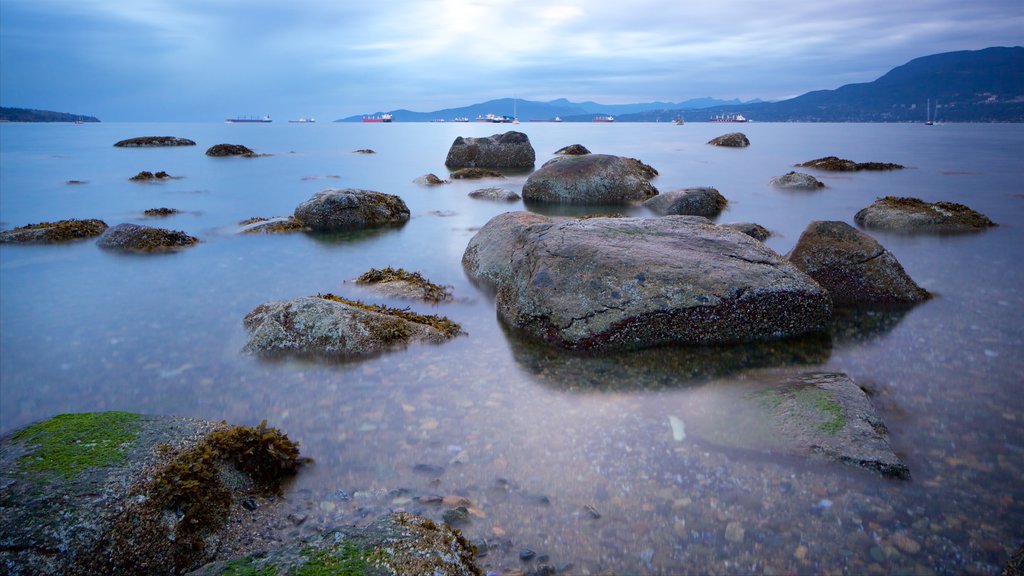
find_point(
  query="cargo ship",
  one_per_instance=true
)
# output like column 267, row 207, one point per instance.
column 604, row 119
column 381, row 118
column 729, row 118
column 248, row 120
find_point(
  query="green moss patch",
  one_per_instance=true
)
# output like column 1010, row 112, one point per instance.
column 810, row 402
column 446, row 327
column 431, row 292
column 70, row 443
column 246, row 567
column 346, row 560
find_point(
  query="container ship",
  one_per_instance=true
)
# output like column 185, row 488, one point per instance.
column 381, row 118
column 247, row 120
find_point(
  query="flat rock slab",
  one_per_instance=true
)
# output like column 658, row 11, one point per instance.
column 154, row 142
column 821, row 415
column 509, row 150
column 797, row 181
column 706, row 202
column 854, row 267
column 399, row 543
column 50, row 232
column 147, row 239
column 350, row 208
column 915, row 215
column 629, row 283
column 332, row 326
column 835, row 164
column 591, row 179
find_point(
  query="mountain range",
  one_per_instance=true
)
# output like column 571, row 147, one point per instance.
column 965, row 86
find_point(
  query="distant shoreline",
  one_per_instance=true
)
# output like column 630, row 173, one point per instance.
column 32, row 115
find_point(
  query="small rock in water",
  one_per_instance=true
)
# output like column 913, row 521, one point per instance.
column 906, row 544
column 456, row 517
column 678, row 428
column 591, row 511
column 734, row 532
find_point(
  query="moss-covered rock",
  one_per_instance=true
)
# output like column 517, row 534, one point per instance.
column 122, row 493
column 60, row 231
column 146, row 239
column 835, row 164
column 403, row 284
column 276, row 225
column 915, row 215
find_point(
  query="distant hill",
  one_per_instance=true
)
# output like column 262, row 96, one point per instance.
column 28, row 115
column 967, row 86
column 528, row 110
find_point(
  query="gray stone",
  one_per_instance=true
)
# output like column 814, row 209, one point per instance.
column 495, row 194
column 798, row 181
column 154, row 141
column 509, row 150
column 275, row 225
column 853, row 267
column 336, row 210
column 731, row 140
column 137, row 238
column 591, row 179
column 49, row 232
column 573, row 150
column 915, row 215
column 707, row 202
column 229, row 150
column 429, row 180
column 628, row 283
column 755, row 231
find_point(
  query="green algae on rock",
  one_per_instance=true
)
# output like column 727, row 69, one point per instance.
column 50, row 232
column 404, row 284
column 69, row 443
column 276, row 225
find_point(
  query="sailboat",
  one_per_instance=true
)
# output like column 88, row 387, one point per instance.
column 928, row 114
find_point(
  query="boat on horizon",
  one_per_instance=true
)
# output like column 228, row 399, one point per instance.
column 249, row 120
column 381, row 118
column 303, row 121
column 495, row 119
column 604, row 119
column 729, row 118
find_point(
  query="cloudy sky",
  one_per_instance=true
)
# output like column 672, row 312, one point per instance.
column 204, row 60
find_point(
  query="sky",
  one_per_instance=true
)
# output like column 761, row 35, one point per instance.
column 205, row 60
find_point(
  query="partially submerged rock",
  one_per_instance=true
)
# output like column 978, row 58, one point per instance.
column 146, row 175
column 629, row 283
column 798, row 181
column 707, row 202
column 154, row 141
column 220, row 150
column 822, row 415
column 398, row 543
column 573, row 150
column 854, row 268
column 59, row 231
column 496, row 194
column 161, row 212
column 835, row 164
column 138, row 238
column 429, row 180
column 336, row 210
column 755, row 231
column 731, row 140
column 509, row 150
column 474, row 173
column 122, row 493
column 333, row 326
column 403, row 284
column 364, row 151
column 276, row 225
column 915, row 215
column 591, row 179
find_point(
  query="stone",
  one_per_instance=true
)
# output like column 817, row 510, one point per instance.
column 138, row 238
column 509, row 150
column 474, row 173
column 915, row 215
column 160, row 212
column 328, row 325
column 755, row 231
column 707, row 202
column 573, row 150
column 399, row 283
column 429, row 180
column 731, row 140
column 50, row 232
column 495, row 194
column 630, row 283
column 146, row 175
column 834, row 164
column 154, row 141
column 734, row 532
column 364, row 151
column 338, row 210
column 276, row 225
column 854, row 268
column 591, row 179
column 798, row 181
column 220, row 150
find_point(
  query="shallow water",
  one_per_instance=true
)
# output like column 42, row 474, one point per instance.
column 571, row 457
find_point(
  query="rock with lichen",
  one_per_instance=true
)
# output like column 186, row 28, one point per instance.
column 509, row 150
column 797, row 181
column 347, row 209
column 138, row 238
column 329, row 325
column 49, row 232
column 495, row 194
column 400, row 283
column 429, row 180
column 591, row 179
column 835, row 164
column 915, row 215
column 731, row 140
column 854, row 268
column 122, row 493
column 154, row 142
column 705, row 201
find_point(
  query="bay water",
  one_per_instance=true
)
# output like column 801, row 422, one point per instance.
column 587, row 462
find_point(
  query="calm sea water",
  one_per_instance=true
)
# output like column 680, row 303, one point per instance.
column 541, row 443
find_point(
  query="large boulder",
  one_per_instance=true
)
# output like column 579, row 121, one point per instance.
column 819, row 415
column 509, row 150
column 328, row 325
column 122, row 493
column 853, row 267
column 60, row 231
column 629, row 283
column 797, row 181
column 154, row 141
column 138, row 238
column 336, row 210
column 706, row 202
column 591, row 179
column 731, row 140
column 915, row 215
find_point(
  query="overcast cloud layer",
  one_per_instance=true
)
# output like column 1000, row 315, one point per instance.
column 133, row 60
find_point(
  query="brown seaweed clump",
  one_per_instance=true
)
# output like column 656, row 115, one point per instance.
column 835, row 164
column 417, row 285
column 60, row 231
column 447, row 327
column 473, row 173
